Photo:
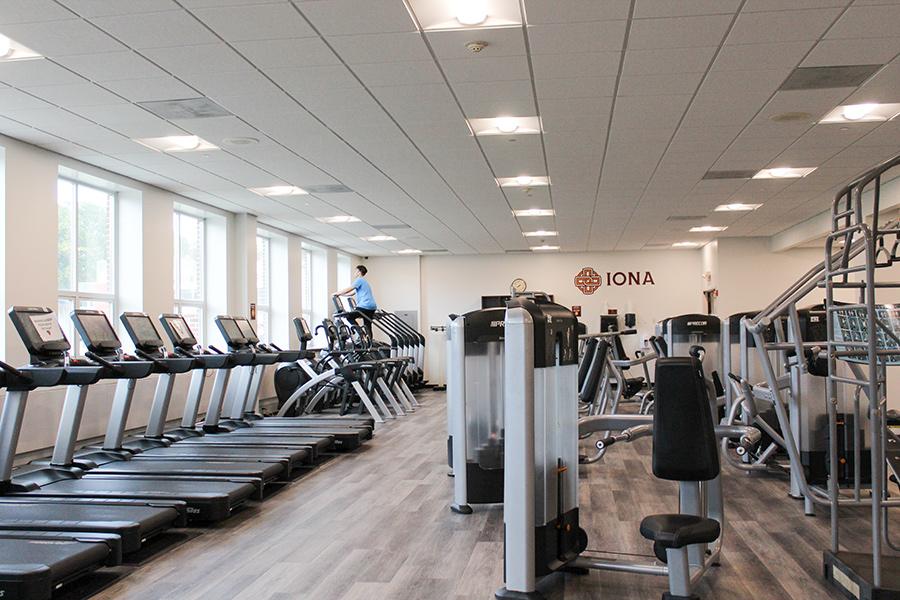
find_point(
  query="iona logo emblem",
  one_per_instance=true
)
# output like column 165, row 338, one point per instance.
column 588, row 281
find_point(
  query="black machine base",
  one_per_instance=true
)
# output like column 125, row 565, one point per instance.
column 461, row 509
column 668, row 596
column 851, row 573
column 505, row 594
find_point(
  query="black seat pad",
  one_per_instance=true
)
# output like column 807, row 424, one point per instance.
column 677, row 531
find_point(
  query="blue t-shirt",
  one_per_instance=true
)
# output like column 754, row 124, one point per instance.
column 364, row 297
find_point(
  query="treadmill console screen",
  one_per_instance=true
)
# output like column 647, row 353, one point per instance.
column 40, row 332
column 247, row 330
column 142, row 330
column 179, row 331
column 96, row 331
column 230, row 331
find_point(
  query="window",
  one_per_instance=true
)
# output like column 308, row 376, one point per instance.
column 86, row 264
column 314, row 287
column 263, row 288
column 344, row 273
column 190, row 269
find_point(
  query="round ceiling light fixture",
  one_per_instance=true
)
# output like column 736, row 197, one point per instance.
column 524, row 179
column 5, row 46
column 506, row 125
column 855, row 112
column 471, row 12
column 240, row 141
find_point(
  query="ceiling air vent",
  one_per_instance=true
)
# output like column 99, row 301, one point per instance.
column 686, row 218
column 818, row 78
column 518, row 251
column 435, row 251
column 327, row 189
column 393, row 227
column 732, row 174
column 188, row 108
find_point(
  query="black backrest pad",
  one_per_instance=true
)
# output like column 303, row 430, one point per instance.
column 595, row 370
column 684, row 442
column 589, row 349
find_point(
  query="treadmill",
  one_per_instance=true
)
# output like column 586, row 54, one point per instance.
column 206, row 499
column 159, row 442
column 104, row 347
column 242, row 340
column 211, row 434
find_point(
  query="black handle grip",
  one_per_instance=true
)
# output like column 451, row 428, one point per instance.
column 160, row 364
column 99, row 359
column 14, row 371
column 214, row 349
column 734, row 377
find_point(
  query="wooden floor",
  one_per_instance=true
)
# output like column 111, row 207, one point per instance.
column 375, row 525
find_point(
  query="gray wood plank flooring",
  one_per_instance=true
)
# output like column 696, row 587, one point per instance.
column 375, row 525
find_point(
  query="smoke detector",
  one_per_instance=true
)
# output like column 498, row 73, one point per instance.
column 476, row 47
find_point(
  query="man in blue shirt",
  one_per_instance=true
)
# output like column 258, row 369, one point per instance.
column 365, row 300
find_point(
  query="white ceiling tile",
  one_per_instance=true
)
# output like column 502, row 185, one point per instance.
column 32, row 11
column 575, row 65
column 861, row 22
column 497, row 98
column 152, row 88
column 393, row 74
column 75, row 94
column 62, row 38
column 109, row 66
column 341, row 17
column 184, row 60
column 670, row 60
column 680, row 32
column 12, row 99
column 255, row 22
column 155, row 30
column 486, row 68
column 575, row 11
column 289, row 53
column 129, row 120
column 580, row 87
column 782, row 26
column 659, row 85
column 874, row 51
column 649, row 112
column 35, row 72
column 314, row 80
column 216, row 84
column 884, row 86
column 747, row 57
column 599, row 36
column 98, row 8
column 683, row 8
column 380, row 47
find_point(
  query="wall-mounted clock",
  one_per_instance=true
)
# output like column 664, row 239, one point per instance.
column 518, row 285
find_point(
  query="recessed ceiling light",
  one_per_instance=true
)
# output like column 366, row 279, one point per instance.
column 177, row 143
column 505, row 126
column 522, row 181
column 408, row 251
column 686, row 244
column 339, row 219
column 784, row 173
column 736, row 207
column 240, row 141
column 862, row 113
column 471, row 12
column 534, row 212
column 380, row 238
column 444, row 15
column 543, row 248
column 707, row 228
column 11, row 50
column 540, row 233
column 279, row 190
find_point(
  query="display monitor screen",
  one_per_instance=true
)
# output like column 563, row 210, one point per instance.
column 97, row 329
column 143, row 331
column 182, row 331
column 247, row 330
column 230, row 330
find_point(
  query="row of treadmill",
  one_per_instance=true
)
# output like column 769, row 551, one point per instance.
column 86, row 508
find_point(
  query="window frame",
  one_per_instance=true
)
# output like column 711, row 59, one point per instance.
column 180, row 303
column 75, row 296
